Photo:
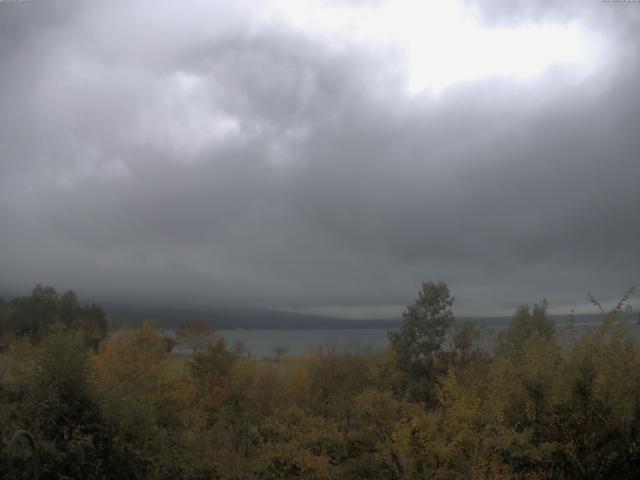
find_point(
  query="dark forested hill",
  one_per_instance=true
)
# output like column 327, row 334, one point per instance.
column 223, row 318
column 227, row 318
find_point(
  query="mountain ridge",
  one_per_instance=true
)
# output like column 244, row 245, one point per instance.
column 256, row 318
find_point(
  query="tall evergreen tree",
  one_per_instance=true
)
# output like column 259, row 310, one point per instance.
column 418, row 344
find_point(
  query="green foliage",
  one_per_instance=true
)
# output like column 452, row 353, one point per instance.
column 210, row 369
column 418, row 344
column 526, row 322
column 290, row 462
column 51, row 397
column 437, row 404
column 34, row 316
column 194, row 334
column 335, row 379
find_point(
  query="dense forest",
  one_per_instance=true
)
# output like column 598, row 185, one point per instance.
column 445, row 400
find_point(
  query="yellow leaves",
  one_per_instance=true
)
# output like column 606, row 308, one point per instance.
column 385, row 373
column 379, row 409
column 194, row 334
column 468, row 406
column 20, row 359
column 132, row 357
column 137, row 392
column 334, row 379
column 611, row 356
column 333, row 415
column 210, row 372
column 418, row 444
column 291, row 462
column 460, row 408
column 530, row 411
column 269, row 389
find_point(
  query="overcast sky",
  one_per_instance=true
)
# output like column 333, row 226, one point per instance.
column 325, row 157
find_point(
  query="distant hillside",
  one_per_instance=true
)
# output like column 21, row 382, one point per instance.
column 232, row 318
column 221, row 318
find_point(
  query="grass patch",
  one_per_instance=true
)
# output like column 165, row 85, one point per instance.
column 176, row 365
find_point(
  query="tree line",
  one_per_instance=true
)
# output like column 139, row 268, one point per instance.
column 443, row 401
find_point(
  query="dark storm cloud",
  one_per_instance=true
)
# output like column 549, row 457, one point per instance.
column 214, row 154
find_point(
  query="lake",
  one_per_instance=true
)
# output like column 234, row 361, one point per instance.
column 298, row 342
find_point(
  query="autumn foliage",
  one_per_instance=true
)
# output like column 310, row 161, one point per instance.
column 444, row 401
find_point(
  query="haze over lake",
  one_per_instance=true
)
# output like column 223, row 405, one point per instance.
column 299, row 342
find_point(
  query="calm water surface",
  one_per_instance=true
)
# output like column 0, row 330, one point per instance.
column 298, row 342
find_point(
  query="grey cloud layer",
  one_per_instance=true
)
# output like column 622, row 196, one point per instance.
column 213, row 155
